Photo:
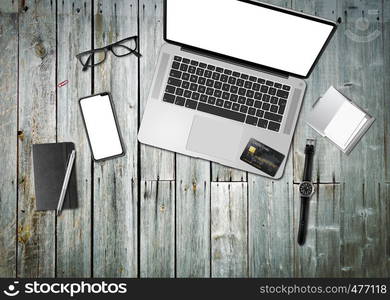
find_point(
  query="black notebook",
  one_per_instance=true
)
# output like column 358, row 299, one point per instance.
column 50, row 162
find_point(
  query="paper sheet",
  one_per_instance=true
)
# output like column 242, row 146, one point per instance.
column 345, row 124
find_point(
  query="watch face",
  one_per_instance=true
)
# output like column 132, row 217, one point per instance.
column 306, row 188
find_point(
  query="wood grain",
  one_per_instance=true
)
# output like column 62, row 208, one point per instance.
column 362, row 170
column 8, row 134
column 157, row 232
column 74, row 226
column 229, row 230
column 115, row 191
column 192, row 217
column 37, row 124
column 156, row 164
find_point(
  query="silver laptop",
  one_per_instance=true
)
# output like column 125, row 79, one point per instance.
column 229, row 85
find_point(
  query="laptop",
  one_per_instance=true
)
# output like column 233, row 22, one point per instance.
column 229, row 81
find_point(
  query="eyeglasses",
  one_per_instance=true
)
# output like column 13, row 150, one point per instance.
column 97, row 56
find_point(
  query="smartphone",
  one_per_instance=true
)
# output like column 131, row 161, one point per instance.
column 101, row 124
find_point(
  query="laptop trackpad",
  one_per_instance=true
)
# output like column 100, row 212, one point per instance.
column 218, row 138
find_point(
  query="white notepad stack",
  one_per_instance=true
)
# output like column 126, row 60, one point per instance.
column 337, row 118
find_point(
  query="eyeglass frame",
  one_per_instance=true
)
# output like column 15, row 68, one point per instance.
column 106, row 49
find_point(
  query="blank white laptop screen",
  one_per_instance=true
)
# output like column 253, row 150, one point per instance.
column 101, row 127
column 249, row 32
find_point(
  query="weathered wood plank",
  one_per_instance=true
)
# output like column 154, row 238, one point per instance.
column 327, row 158
column 74, row 226
column 157, row 252
column 386, row 223
column 8, row 131
column 271, row 225
column 385, row 19
column 270, row 216
column 193, row 217
column 320, row 255
column 156, row 164
column 229, row 232
column 37, row 124
column 115, row 181
column 361, row 54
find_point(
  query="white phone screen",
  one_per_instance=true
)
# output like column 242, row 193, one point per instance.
column 101, row 126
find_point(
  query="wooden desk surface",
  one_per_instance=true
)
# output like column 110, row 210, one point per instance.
column 156, row 213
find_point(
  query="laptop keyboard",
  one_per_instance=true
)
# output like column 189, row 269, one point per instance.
column 226, row 93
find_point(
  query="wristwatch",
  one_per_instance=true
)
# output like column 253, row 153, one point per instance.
column 306, row 189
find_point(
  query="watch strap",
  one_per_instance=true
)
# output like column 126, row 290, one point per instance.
column 307, row 170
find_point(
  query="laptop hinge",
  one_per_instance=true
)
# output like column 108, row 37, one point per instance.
column 237, row 63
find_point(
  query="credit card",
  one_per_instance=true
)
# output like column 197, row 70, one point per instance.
column 262, row 157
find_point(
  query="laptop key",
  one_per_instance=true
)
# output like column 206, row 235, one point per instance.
column 199, row 71
column 224, row 78
column 249, row 102
column 191, row 104
column 248, row 85
column 273, row 126
column 240, row 82
column 272, row 91
column 227, row 104
column 193, row 87
column 281, row 109
column 216, row 76
column 260, row 80
column 211, row 100
column 257, row 104
column 241, row 100
column 203, row 98
column 203, row 65
column 256, row 87
column 218, row 111
column 273, row 117
column 170, row 89
column 274, row 100
column 194, row 62
column 202, row 80
column 217, row 93
column 175, row 65
column 209, row 91
column 174, row 81
column 236, row 74
column 265, row 106
column 184, row 67
column 260, row 113
column 250, row 93
column 179, row 91
column 209, row 82
column 241, row 91
column 180, row 101
column 227, row 72
column 251, row 111
column 278, row 85
column 274, row 109
column 187, row 94
column 185, row 85
column 251, row 120
column 270, row 83
column 177, row 58
column 286, row 87
column 225, row 87
column 225, row 96
column 186, row 60
column 194, row 78
column 244, row 76
column 266, row 98
column 195, row 96
column 211, row 67
column 258, row 95
column 233, row 97
column 207, row 73
column 217, row 85
column 264, row 89
column 244, row 109
column 201, row 88
column 282, row 94
column 282, row 101
column 233, row 89
column 252, row 78
column 232, row 80
column 236, row 106
column 169, row 98
column 185, row 76
column 219, row 69
column 262, row 123
column 191, row 69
